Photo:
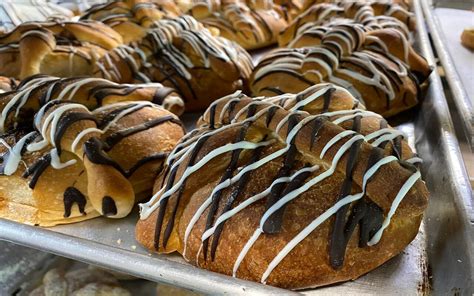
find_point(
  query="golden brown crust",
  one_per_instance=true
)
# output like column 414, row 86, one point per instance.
column 308, row 263
column 467, row 38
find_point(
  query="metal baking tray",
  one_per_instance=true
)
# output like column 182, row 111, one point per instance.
column 446, row 21
column 438, row 261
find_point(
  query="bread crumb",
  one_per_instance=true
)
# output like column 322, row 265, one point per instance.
column 119, row 241
column 118, row 228
column 134, row 247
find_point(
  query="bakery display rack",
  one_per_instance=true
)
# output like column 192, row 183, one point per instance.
column 439, row 261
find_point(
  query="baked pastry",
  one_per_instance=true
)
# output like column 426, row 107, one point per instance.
column 131, row 18
column 369, row 14
column 252, row 24
column 379, row 68
column 312, row 193
column 36, row 91
column 182, row 54
column 59, row 48
column 357, row 8
column 72, row 164
column 467, row 38
column 17, row 12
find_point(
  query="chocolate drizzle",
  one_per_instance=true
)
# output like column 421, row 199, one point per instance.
column 109, row 207
column 37, row 169
column 116, row 137
column 73, row 196
column 273, row 223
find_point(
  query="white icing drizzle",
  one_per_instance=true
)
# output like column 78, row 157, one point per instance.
column 81, row 135
column 395, row 203
column 14, row 157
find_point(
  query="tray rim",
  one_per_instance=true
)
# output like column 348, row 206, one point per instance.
column 462, row 101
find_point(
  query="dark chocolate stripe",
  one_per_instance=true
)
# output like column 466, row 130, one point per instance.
column 116, row 137
column 37, row 169
column 339, row 238
column 73, row 196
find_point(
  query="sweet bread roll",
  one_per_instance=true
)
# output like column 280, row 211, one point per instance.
column 131, row 18
column 73, row 164
column 383, row 72
column 34, row 92
column 373, row 15
column 467, row 38
column 271, row 193
column 55, row 48
column 182, row 54
column 251, row 24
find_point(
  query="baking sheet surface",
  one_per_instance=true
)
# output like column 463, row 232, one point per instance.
column 453, row 22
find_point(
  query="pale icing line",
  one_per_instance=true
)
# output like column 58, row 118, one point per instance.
column 56, row 161
column 414, row 160
column 292, row 133
column 14, row 157
column 311, row 98
column 396, row 202
column 81, row 135
column 245, row 250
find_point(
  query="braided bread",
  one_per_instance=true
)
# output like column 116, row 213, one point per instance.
column 130, row 18
column 70, row 155
column 379, row 68
column 251, row 24
column 55, row 48
column 252, row 191
column 181, row 54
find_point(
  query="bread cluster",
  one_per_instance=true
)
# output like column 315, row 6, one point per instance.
column 292, row 175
